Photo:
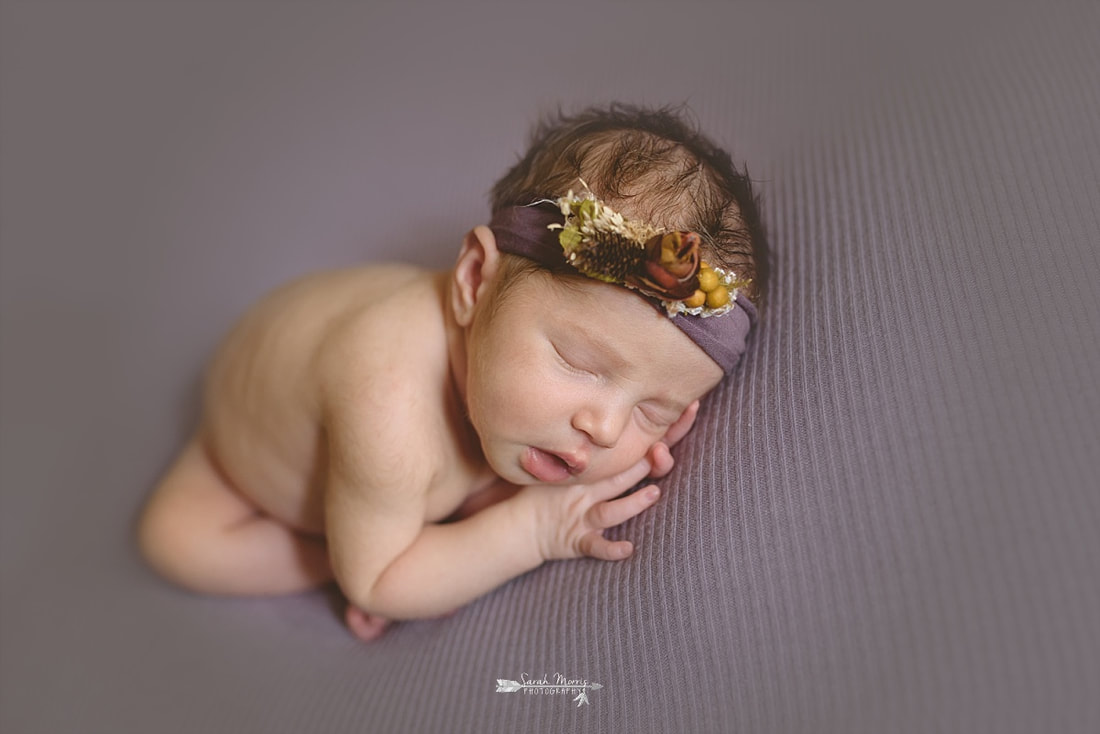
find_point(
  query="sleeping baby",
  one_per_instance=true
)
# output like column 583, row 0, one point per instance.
column 423, row 437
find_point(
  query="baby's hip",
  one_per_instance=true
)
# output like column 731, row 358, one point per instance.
column 281, row 482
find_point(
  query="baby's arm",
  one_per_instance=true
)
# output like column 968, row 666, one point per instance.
column 390, row 564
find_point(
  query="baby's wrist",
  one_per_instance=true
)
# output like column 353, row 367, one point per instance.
column 531, row 517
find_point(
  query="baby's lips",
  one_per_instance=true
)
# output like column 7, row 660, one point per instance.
column 544, row 466
column 576, row 462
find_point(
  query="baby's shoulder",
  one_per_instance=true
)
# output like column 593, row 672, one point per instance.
column 388, row 354
column 398, row 316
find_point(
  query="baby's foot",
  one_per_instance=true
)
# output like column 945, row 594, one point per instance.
column 365, row 626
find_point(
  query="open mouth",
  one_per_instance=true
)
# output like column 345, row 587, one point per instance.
column 546, row 466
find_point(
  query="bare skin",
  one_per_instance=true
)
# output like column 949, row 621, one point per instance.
column 349, row 413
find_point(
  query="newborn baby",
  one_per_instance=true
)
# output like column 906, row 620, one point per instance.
column 423, row 437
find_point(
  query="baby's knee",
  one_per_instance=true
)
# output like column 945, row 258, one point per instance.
column 185, row 514
column 178, row 529
column 163, row 540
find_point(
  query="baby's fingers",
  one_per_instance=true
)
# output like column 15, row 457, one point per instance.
column 609, row 514
column 661, row 460
column 595, row 545
column 683, row 424
column 624, row 480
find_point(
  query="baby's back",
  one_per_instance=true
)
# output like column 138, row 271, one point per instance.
column 261, row 403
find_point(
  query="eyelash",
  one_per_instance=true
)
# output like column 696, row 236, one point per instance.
column 655, row 423
column 569, row 365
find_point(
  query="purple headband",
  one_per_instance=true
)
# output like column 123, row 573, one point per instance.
column 525, row 231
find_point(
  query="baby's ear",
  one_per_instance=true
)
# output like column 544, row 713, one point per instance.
column 477, row 266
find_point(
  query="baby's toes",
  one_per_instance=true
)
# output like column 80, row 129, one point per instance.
column 365, row 626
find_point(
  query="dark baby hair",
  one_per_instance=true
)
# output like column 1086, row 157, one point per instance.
column 649, row 164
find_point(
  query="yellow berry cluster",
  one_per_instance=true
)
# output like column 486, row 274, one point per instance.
column 710, row 291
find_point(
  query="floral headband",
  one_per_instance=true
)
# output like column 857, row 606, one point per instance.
column 665, row 268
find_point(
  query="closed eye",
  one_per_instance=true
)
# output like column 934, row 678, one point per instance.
column 570, row 366
column 653, row 418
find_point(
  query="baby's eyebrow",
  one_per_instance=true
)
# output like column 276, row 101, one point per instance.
column 600, row 344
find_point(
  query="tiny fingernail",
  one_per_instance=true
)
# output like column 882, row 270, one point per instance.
column 652, row 493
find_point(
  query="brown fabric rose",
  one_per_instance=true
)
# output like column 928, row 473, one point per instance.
column 670, row 269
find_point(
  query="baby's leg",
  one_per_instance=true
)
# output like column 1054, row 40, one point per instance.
column 200, row 533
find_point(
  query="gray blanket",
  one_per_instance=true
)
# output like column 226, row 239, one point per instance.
column 886, row 522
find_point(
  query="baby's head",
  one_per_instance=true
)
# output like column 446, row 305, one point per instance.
column 649, row 165
column 572, row 366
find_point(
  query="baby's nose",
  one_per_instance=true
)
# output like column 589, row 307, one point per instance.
column 602, row 424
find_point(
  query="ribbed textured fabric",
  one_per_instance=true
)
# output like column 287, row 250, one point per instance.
column 885, row 522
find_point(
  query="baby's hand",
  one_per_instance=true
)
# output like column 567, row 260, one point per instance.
column 659, row 456
column 571, row 519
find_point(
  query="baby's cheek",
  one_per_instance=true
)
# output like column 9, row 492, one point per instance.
column 630, row 453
